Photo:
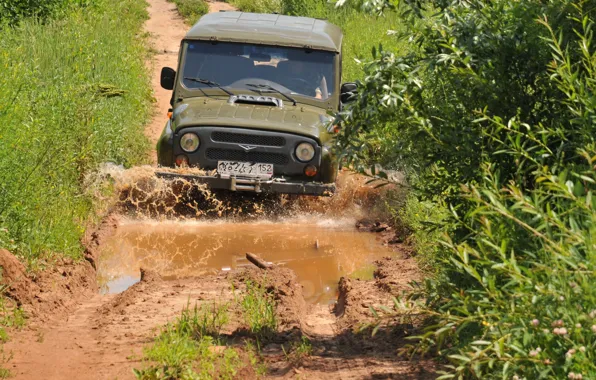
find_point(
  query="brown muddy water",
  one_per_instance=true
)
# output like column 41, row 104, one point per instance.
column 318, row 249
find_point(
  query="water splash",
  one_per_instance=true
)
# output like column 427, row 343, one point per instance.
column 142, row 195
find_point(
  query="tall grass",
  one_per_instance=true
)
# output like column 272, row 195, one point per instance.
column 191, row 10
column 73, row 94
column 257, row 6
column 185, row 348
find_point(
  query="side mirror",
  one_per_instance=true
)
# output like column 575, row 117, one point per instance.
column 168, row 76
column 348, row 92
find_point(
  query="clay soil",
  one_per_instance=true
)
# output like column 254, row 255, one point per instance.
column 73, row 332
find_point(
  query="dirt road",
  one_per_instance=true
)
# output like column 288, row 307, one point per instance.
column 99, row 336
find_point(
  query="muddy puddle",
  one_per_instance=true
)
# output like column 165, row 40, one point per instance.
column 318, row 250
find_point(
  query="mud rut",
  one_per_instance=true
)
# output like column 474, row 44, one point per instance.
column 85, row 335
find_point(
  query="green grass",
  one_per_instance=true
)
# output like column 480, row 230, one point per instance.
column 426, row 220
column 257, row 6
column 361, row 31
column 184, row 349
column 191, row 10
column 74, row 93
column 298, row 351
column 258, row 309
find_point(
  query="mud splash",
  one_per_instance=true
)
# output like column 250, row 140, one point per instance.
column 143, row 195
column 182, row 229
column 318, row 251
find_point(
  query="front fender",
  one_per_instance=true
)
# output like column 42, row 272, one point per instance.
column 165, row 146
column 329, row 166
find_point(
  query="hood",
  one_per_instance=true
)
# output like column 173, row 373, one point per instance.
column 301, row 119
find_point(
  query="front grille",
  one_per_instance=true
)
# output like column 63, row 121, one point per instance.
column 245, row 138
column 238, row 155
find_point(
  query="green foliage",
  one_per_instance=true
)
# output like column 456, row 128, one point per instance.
column 258, row 308
column 257, row 6
column 58, row 124
column 204, row 320
column 425, row 221
column 310, row 8
column 298, row 351
column 183, row 349
column 191, row 10
column 494, row 116
column 361, row 31
column 13, row 11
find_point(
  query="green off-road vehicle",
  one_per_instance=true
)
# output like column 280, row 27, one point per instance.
column 250, row 103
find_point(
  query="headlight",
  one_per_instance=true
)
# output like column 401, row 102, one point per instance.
column 305, row 152
column 189, row 142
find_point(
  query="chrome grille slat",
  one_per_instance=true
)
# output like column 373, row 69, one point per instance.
column 247, row 138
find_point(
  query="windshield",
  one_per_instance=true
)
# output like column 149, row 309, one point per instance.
column 256, row 67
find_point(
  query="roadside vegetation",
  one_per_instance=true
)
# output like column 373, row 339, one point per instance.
column 258, row 310
column 194, row 346
column 492, row 119
column 191, row 10
column 187, row 348
column 361, row 30
column 74, row 94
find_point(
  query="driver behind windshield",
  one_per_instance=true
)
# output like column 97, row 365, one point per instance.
column 233, row 65
column 303, row 77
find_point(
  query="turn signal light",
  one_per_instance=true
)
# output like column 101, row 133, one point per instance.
column 170, row 115
column 181, row 161
column 336, row 129
column 310, row 170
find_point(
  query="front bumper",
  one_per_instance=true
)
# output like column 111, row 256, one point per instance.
column 256, row 185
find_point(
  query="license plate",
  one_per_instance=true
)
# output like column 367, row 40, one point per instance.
column 245, row 169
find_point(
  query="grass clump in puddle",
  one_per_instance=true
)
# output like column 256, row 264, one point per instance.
column 189, row 348
column 258, row 309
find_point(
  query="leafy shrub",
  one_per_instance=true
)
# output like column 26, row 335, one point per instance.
column 471, row 58
column 74, row 93
column 191, row 10
column 495, row 112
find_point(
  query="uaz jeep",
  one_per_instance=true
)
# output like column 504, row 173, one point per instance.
column 250, row 103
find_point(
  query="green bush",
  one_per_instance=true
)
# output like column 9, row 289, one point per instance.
column 191, row 10
column 494, row 116
column 74, row 93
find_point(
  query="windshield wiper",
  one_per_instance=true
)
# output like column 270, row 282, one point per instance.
column 268, row 88
column 209, row 83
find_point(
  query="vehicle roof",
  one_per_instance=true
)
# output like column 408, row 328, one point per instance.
column 268, row 29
